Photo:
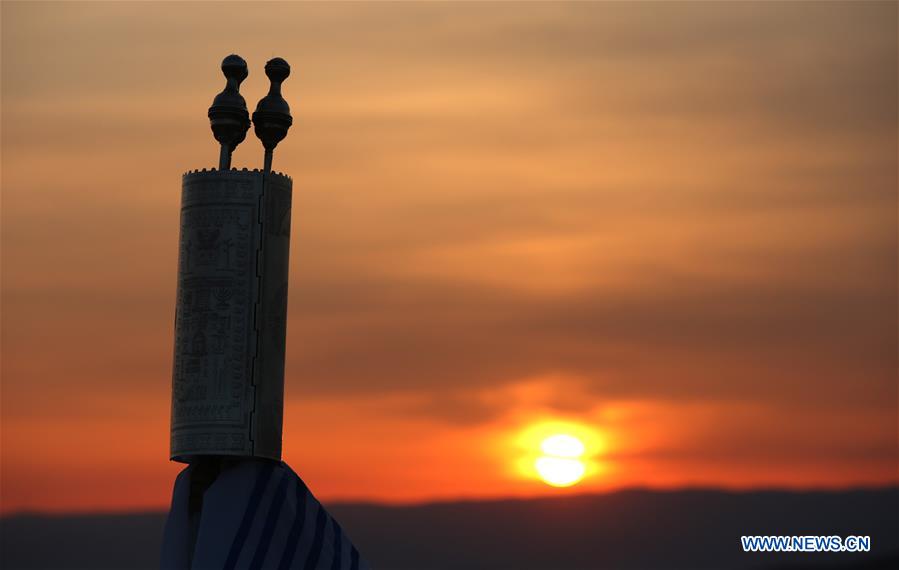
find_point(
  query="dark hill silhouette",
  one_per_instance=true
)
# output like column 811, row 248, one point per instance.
column 625, row 529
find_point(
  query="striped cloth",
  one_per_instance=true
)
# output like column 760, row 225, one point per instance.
column 255, row 514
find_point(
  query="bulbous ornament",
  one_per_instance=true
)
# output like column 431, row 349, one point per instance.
column 272, row 118
column 228, row 114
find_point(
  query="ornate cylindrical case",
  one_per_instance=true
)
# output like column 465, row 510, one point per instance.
column 230, row 315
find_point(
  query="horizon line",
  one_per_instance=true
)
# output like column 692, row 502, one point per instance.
column 565, row 495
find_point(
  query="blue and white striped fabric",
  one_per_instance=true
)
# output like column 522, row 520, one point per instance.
column 255, row 515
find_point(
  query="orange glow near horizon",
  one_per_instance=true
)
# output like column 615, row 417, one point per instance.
column 477, row 458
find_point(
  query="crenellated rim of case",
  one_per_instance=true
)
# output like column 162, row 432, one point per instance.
column 237, row 171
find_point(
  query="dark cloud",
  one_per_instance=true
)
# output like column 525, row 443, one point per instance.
column 689, row 339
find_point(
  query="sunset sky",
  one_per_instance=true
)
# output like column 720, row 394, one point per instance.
column 671, row 228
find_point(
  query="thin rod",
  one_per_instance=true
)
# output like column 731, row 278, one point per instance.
column 224, row 158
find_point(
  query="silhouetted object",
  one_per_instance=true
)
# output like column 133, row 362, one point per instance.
column 256, row 514
column 230, row 316
column 237, row 505
column 231, row 307
column 228, row 114
column 272, row 116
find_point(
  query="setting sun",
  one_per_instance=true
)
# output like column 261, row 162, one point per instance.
column 560, row 466
column 562, row 445
column 560, row 472
column 559, row 453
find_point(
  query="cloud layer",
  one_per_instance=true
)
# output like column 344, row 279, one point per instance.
column 682, row 208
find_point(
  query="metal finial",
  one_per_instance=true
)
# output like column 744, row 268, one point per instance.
column 228, row 114
column 272, row 116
